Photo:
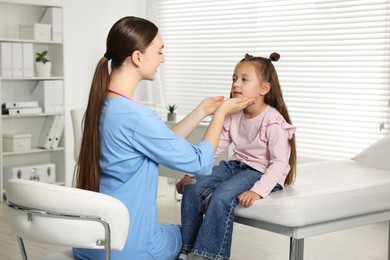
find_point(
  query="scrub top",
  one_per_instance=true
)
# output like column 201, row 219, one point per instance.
column 133, row 142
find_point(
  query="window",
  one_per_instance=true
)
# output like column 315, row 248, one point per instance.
column 334, row 65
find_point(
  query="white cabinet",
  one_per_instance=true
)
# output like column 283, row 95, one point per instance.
column 19, row 85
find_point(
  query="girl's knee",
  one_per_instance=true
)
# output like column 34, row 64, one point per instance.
column 189, row 188
column 197, row 187
column 222, row 197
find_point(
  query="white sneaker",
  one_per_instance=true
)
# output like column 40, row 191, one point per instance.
column 191, row 256
column 182, row 256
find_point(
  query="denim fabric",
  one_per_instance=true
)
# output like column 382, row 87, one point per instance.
column 207, row 210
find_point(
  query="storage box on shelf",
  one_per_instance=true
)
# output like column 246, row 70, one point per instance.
column 36, row 31
column 38, row 172
column 16, row 142
column 31, row 102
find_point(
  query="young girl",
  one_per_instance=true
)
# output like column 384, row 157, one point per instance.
column 124, row 142
column 264, row 161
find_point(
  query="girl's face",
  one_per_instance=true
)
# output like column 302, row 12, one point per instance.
column 152, row 58
column 246, row 82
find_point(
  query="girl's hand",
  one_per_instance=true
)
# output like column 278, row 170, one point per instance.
column 247, row 198
column 234, row 105
column 211, row 104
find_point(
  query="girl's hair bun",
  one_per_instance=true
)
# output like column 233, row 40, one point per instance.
column 248, row 56
column 274, row 56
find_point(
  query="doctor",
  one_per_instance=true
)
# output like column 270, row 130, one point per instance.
column 124, row 142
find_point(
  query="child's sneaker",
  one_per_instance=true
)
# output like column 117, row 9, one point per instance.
column 191, row 256
column 183, row 255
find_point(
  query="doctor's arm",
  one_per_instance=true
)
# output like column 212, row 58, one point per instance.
column 207, row 107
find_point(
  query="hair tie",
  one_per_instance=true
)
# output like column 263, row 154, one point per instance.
column 107, row 56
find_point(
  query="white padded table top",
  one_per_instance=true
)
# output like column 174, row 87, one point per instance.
column 324, row 191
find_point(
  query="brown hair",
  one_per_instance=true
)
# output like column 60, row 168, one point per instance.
column 126, row 36
column 274, row 98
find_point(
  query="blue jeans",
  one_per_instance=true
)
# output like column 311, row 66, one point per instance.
column 207, row 210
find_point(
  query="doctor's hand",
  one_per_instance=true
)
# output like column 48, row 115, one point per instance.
column 247, row 198
column 210, row 104
column 234, row 105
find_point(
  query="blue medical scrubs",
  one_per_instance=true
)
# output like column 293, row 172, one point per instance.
column 133, row 142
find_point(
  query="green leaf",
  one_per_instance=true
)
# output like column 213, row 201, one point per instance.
column 41, row 57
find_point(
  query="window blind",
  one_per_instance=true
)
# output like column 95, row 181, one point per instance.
column 334, row 65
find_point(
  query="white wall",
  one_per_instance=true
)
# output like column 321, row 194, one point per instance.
column 86, row 25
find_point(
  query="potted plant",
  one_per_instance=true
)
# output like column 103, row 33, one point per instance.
column 43, row 64
column 171, row 116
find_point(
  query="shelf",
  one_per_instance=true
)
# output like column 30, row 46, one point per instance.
column 28, row 41
column 26, row 115
column 32, row 78
column 13, row 14
column 32, row 151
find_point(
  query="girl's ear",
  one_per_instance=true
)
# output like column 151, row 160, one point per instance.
column 136, row 57
column 265, row 88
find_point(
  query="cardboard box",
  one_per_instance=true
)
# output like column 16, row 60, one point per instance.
column 36, row 31
column 39, row 172
column 16, row 142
